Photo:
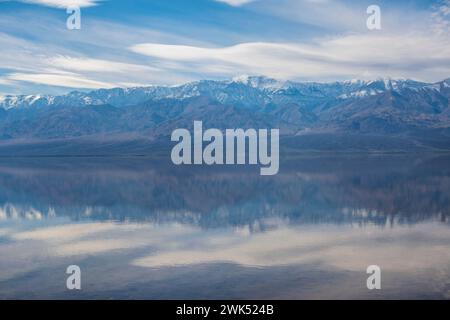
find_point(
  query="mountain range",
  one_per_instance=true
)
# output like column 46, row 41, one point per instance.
column 356, row 115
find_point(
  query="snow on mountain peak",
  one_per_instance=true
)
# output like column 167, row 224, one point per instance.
column 259, row 82
column 446, row 83
column 244, row 78
column 224, row 91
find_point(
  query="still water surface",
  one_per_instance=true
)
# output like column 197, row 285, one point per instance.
column 143, row 228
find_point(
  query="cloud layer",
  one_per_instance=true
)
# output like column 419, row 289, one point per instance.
column 416, row 55
column 235, row 3
column 64, row 3
column 315, row 40
column 416, row 252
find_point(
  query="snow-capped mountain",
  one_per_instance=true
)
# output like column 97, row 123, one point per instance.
column 381, row 111
column 243, row 90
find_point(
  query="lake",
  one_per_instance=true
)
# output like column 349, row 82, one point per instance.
column 143, row 228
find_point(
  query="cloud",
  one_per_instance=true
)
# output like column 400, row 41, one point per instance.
column 35, row 48
column 64, row 232
column 414, row 55
column 235, row 3
column 60, row 80
column 97, row 65
column 344, row 248
column 137, row 251
column 64, row 3
column 100, row 237
column 441, row 17
column 339, row 16
column 6, row 82
column 95, row 56
column 5, row 231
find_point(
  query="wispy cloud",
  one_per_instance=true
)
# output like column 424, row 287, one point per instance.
column 60, row 80
column 441, row 17
column 295, row 246
column 415, row 55
column 36, row 57
column 236, row 3
column 38, row 51
column 341, row 247
column 64, row 3
column 97, row 65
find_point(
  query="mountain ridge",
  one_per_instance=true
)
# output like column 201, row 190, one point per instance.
column 379, row 115
column 134, row 95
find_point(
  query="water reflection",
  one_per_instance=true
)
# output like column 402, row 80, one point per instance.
column 146, row 229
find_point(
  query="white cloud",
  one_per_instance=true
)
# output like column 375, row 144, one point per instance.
column 64, row 3
column 137, row 250
column 97, row 65
column 441, row 17
column 6, row 82
column 338, row 16
column 65, row 232
column 100, row 237
column 60, row 80
column 344, row 248
column 414, row 55
column 5, row 231
column 43, row 49
column 235, row 3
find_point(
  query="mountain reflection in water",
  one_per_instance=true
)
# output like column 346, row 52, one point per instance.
column 144, row 228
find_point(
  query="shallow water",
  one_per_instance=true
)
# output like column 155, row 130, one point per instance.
column 144, row 228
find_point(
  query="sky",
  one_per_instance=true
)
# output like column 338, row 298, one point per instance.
column 160, row 42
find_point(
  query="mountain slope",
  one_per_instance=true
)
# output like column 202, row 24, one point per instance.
column 358, row 115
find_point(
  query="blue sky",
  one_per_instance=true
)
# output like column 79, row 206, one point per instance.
column 137, row 43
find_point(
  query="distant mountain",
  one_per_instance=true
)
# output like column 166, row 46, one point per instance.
column 369, row 115
column 249, row 91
